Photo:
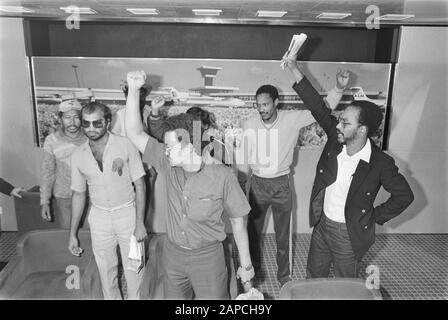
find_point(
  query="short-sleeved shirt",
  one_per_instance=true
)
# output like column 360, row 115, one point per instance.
column 108, row 188
column 196, row 202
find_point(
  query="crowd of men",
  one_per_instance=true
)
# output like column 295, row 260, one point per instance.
column 95, row 166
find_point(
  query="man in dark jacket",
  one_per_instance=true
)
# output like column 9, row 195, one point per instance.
column 349, row 174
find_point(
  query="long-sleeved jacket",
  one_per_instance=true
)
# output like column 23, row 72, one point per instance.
column 381, row 171
column 6, row 187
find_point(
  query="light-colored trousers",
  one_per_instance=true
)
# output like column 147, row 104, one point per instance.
column 109, row 228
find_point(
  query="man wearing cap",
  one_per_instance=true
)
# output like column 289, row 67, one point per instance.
column 55, row 175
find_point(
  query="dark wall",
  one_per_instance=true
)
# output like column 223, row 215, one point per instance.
column 214, row 41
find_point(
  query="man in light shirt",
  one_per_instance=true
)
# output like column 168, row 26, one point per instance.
column 349, row 174
column 55, row 173
column 267, row 149
column 109, row 165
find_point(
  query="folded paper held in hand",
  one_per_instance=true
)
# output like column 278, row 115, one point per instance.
column 294, row 47
column 136, row 257
column 252, row 294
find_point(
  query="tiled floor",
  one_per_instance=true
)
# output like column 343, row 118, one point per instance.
column 411, row 266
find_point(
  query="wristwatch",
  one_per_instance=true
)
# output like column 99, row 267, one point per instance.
column 246, row 274
column 153, row 115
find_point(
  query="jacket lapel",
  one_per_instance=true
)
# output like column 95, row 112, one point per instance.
column 333, row 160
column 361, row 172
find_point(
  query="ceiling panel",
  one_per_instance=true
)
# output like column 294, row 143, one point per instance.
column 434, row 12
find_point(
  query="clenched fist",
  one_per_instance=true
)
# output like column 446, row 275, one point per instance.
column 342, row 79
column 136, row 79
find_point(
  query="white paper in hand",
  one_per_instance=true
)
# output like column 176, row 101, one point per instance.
column 252, row 294
column 294, row 47
column 136, row 257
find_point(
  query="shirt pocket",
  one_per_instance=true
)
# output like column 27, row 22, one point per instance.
column 203, row 208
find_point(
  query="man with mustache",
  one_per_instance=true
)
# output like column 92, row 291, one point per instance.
column 349, row 174
column 55, row 174
column 111, row 166
column 267, row 148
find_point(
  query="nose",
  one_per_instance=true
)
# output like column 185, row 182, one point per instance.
column 339, row 127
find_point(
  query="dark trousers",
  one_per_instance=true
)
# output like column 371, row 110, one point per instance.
column 330, row 243
column 199, row 273
column 274, row 192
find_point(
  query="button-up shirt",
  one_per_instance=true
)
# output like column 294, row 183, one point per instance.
column 336, row 193
column 196, row 201
column 111, row 187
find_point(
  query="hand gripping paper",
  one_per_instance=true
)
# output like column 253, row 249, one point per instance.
column 136, row 257
column 294, row 47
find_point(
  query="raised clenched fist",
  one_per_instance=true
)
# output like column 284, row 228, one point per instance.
column 342, row 79
column 136, row 79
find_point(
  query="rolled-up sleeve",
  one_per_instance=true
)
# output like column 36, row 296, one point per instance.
column 155, row 155
column 235, row 202
column 79, row 180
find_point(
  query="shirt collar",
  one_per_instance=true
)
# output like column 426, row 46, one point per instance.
column 363, row 154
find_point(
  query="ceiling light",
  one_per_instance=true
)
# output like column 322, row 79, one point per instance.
column 153, row 12
column 15, row 9
column 271, row 14
column 207, row 12
column 80, row 10
column 333, row 15
column 395, row 17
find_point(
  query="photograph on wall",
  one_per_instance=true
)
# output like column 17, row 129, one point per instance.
column 224, row 87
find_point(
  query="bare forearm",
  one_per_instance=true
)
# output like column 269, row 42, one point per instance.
column 133, row 121
column 47, row 178
column 78, row 205
column 140, row 200
column 295, row 71
column 241, row 240
column 334, row 97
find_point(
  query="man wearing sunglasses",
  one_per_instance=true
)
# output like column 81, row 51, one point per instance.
column 111, row 166
column 349, row 174
column 198, row 193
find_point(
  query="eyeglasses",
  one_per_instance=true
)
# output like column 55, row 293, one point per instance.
column 96, row 124
column 345, row 124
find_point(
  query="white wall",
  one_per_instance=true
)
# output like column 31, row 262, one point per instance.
column 418, row 136
column 19, row 159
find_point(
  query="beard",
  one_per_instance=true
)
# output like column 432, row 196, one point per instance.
column 94, row 135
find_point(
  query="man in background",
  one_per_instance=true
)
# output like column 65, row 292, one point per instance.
column 55, row 174
column 267, row 149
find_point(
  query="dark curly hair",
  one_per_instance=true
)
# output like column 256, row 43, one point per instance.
column 92, row 107
column 269, row 89
column 370, row 115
